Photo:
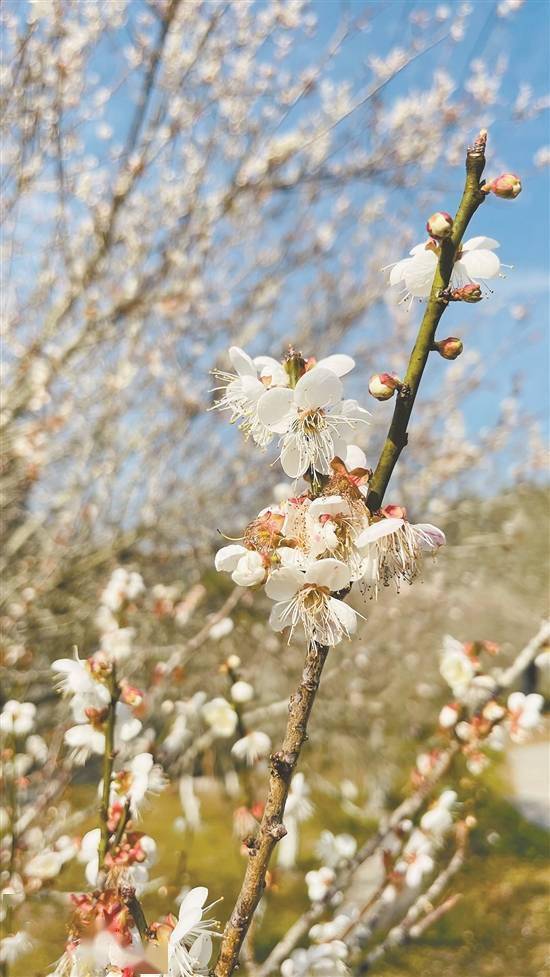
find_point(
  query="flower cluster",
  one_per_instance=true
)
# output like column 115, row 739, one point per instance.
column 86, row 683
column 105, row 941
column 485, row 726
column 310, row 549
column 301, row 401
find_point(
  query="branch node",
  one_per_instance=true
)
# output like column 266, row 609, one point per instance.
column 282, row 765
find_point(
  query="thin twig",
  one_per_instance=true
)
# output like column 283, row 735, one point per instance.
column 272, row 828
column 397, row 435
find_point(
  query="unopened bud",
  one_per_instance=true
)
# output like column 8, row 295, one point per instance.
column 449, row 715
column 440, row 225
column 468, row 293
column 382, row 386
column 233, row 662
column 507, row 186
column 394, row 511
column 449, row 348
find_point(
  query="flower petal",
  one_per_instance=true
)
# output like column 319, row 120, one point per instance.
column 195, row 897
column 329, row 573
column 227, row 558
column 377, row 530
column 188, row 918
column 283, row 584
column 339, row 363
column 397, row 273
column 293, row 462
column 328, row 504
column 251, row 387
column 479, row 264
column 278, row 619
column 430, row 536
column 474, row 243
column 318, row 388
column 269, row 367
column 345, row 614
column 274, row 406
column 355, row 457
column 201, row 950
column 242, row 363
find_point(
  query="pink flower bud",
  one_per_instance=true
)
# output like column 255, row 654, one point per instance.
column 449, row 348
column 440, row 225
column 507, row 186
column 394, row 511
column 468, row 293
column 382, row 386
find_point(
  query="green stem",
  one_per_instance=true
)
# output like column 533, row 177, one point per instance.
column 397, row 435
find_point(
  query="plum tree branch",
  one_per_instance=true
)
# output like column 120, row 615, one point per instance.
column 283, row 763
column 272, row 828
column 397, row 436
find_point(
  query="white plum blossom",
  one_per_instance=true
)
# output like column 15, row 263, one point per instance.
column 136, row 874
column 117, row 643
column 333, row 929
column 242, row 391
column 45, row 866
column 392, row 548
column 78, row 682
column 456, row 666
column 324, row 960
column 475, row 262
column 221, row 628
column 242, row 692
column 143, row 776
column 37, row 748
column 252, row 747
column 314, row 422
column 319, row 882
column 190, row 942
column 325, row 526
column 220, row 716
column 17, row 718
column 333, row 849
column 89, row 854
column 85, row 738
column 306, row 597
column 14, row 946
column 124, row 586
column 190, row 803
column 246, row 566
column 438, row 818
column 524, row 712
column 417, row 859
column 448, row 716
column 298, row 808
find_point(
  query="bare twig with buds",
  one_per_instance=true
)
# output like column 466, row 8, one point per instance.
column 397, row 437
